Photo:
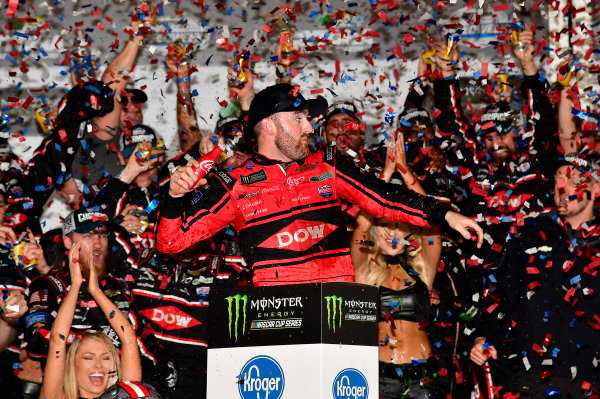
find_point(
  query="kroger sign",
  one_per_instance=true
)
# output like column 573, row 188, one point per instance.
column 350, row 384
column 261, row 378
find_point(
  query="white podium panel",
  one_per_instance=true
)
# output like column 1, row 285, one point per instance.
column 315, row 371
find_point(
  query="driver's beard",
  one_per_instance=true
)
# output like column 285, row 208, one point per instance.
column 288, row 146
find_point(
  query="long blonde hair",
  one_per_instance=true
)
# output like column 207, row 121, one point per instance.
column 70, row 381
column 379, row 271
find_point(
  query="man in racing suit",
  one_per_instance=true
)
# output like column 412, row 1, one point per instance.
column 285, row 202
column 46, row 292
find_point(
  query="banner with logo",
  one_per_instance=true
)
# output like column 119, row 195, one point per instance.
column 337, row 313
column 296, row 341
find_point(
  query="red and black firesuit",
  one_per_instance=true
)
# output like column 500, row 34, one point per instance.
column 517, row 187
column 46, row 292
column 171, row 299
column 288, row 215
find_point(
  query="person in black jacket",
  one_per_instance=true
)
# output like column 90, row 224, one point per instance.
column 171, row 297
column 507, row 165
column 45, row 292
column 543, row 328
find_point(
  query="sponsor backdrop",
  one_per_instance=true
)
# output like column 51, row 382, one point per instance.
column 297, row 341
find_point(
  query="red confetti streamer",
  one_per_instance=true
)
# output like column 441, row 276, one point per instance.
column 12, row 7
column 63, row 135
column 479, row 191
column 27, row 102
column 484, row 69
column 496, row 247
column 269, row 29
column 491, row 308
column 488, row 125
column 383, row 16
column 538, row 349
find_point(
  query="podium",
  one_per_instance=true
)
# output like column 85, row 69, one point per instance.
column 294, row 341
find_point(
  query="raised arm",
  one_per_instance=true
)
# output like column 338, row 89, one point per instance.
column 243, row 94
column 286, row 55
column 451, row 118
column 396, row 161
column 395, row 202
column 116, row 75
column 525, row 56
column 360, row 247
column 567, row 129
column 131, row 367
column 189, row 133
column 431, row 242
column 52, row 387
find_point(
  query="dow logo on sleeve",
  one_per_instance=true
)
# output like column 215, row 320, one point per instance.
column 236, row 310
column 334, row 311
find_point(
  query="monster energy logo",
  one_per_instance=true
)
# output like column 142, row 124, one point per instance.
column 237, row 299
column 334, row 309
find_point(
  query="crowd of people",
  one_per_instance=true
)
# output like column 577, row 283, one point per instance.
column 479, row 230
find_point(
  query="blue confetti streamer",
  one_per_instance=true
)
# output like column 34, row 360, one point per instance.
column 153, row 204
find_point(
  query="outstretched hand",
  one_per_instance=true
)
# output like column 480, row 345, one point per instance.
column 7, row 235
column 75, row 267
column 34, row 251
column 446, row 63
column 93, row 286
column 183, row 180
column 467, row 227
column 479, row 354
column 14, row 306
column 286, row 42
column 244, row 94
column 135, row 165
column 525, row 36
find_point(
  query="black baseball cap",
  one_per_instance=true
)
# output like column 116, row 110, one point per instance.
column 412, row 115
column 581, row 163
column 137, row 95
column 231, row 128
column 139, row 134
column 85, row 101
column 83, row 221
column 342, row 107
column 282, row 97
column 500, row 115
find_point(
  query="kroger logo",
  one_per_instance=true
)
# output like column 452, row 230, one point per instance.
column 261, row 378
column 350, row 384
